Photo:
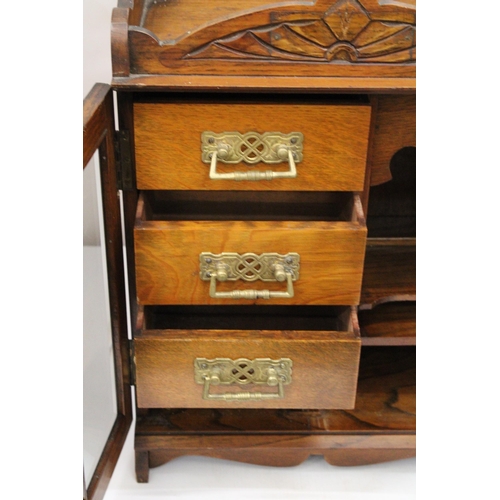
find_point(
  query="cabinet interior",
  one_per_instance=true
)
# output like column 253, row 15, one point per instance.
column 387, row 312
column 392, row 205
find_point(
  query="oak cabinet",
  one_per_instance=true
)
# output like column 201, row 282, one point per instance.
column 264, row 170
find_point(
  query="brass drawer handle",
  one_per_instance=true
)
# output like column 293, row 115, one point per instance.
column 252, row 148
column 230, row 266
column 252, row 294
column 260, row 371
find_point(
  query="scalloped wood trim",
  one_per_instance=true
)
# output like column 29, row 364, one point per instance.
column 284, row 458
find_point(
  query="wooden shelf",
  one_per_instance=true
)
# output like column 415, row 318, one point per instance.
column 392, row 323
column 389, row 272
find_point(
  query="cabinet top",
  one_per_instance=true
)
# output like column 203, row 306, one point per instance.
column 322, row 45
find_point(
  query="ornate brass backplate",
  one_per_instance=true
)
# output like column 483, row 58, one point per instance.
column 249, row 266
column 251, row 147
column 242, row 371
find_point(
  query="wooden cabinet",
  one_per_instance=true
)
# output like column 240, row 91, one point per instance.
column 266, row 162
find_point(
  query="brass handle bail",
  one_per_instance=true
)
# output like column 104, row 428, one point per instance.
column 255, row 175
column 252, row 294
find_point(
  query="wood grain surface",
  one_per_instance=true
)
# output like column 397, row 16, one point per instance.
column 190, row 16
column 391, row 85
column 168, row 144
column 119, row 40
column 95, row 120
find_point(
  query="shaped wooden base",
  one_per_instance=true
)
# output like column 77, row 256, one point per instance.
column 277, row 450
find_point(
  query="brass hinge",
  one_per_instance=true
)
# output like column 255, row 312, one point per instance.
column 131, row 349
column 123, row 154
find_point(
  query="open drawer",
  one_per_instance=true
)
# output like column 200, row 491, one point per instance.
column 286, row 248
column 270, row 364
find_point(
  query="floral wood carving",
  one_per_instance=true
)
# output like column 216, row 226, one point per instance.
column 345, row 32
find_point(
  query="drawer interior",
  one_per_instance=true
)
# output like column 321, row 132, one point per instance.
column 245, row 205
column 271, row 318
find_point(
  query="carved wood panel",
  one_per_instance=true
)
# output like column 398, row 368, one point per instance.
column 346, row 31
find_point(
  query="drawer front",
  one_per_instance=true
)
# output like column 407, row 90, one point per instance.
column 168, row 262
column 169, row 156
column 254, row 369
